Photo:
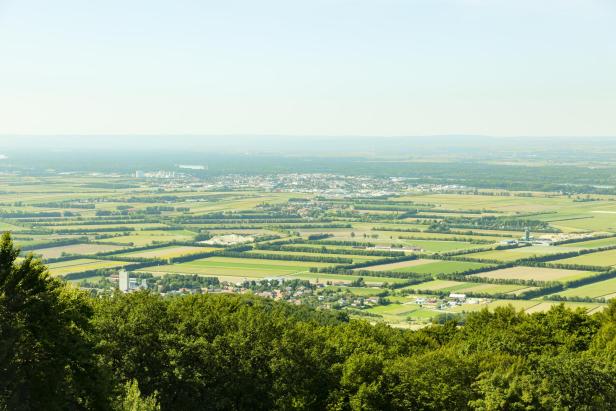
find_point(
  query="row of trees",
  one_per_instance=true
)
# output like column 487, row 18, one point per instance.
column 307, row 248
column 289, row 257
column 496, row 223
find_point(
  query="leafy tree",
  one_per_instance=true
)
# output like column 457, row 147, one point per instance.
column 46, row 359
column 132, row 400
column 131, row 339
column 436, row 380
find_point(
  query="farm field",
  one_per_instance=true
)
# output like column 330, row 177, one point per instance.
column 507, row 204
column 142, row 238
column 419, row 315
column 602, row 258
column 318, row 246
column 106, row 227
column 588, row 307
column 427, row 266
column 394, row 309
column 399, row 265
column 466, row 287
column 444, row 241
column 438, row 246
column 385, row 237
column 237, row 267
column 592, row 221
column 515, row 254
column 9, row 227
column 517, row 304
column 54, row 252
column 81, row 265
column 428, row 246
column 400, row 313
column 528, row 306
column 33, row 241
column 602, row 242
column 241, row 231
column 355, row 258
column 151, row 218
column 167, row 252
column 602, row 289
column 358, row 291
column 535, row 273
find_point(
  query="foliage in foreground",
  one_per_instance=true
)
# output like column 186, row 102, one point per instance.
column 60, row 349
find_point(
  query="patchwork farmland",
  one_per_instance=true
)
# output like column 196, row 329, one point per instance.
column 404, row 259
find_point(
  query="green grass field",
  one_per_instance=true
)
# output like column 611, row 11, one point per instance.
column 602, row 258
column 604, row 289
column 393, row 309
column 515, row 254
column 517, row 304
column 545, row 306
column 355, row 258
column 168, row 252
column 602, row 242
column 237, row 267
column 427, row 236
column 357, row 291
column 9, row 227
column 433, row 246
column 317, row 246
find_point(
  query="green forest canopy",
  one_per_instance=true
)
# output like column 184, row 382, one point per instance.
column 62, row 349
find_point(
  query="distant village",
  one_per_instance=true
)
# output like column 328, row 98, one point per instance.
column 333, row 185
column 324, row 295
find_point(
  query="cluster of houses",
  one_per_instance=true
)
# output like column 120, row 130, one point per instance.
column 330, row 185
column 329, row 298
column 358, row 302
column 453, row 300
column 286, row 294
column 301, row 295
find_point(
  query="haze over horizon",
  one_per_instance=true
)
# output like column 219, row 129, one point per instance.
column 102, row 151
column 289, row 143
column 343, row 67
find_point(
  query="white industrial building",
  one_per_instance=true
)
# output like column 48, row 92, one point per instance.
column 127, row 284
column 124, row 281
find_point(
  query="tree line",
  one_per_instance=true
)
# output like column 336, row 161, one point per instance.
column 288, row 257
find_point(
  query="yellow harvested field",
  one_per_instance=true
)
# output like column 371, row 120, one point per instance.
column 534, row 273
column 168, row 252
column 55, row 252
column 398, row 265
column 81, row 265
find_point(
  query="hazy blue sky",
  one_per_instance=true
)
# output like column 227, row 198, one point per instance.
column 352, row 67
